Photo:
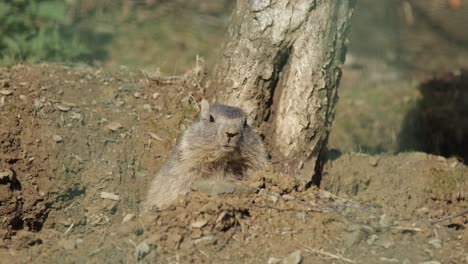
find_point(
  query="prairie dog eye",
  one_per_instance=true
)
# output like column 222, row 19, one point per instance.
column 212, row 119
column 245, row 123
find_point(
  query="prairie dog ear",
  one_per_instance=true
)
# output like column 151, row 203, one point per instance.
column 205, row 110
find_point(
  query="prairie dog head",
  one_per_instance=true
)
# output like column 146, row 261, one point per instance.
column 226, row 123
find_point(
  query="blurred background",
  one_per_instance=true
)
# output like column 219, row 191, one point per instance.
column 404, row 86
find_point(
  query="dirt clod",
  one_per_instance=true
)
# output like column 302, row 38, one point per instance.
column 6, row 92
column 114, row 126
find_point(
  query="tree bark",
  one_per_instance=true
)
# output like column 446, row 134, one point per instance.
column 281, row 64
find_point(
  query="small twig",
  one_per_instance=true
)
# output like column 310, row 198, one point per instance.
column 146, row 76
column 331, row 255
column 331, row 243
column 95, row 251
column 414, row 229
column 201, row 251
column 69, row 229
column 115, row 245
column 133, row 243
column 438, row 220
column 195, row 101
column 230, row 237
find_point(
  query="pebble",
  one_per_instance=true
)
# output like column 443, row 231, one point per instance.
column 436, row 243
column 385, row 243
column 57, row 138
column 293, row 258
column 6, row 92
column 142, row 250
column 155, row 95
column 325, row 194
column 371, row 240
column 385, row 221
column 137, row 95
column 119, row 103
column 63, row 108
column 128, row 218
column 199, row 224
column 147, row 107
column 274, row 198
column 23, row 97
column 210, row 239
column 374, row 161
column 389, row 260
column 273, row 260
column 114, row 126
column 422, row 211
column 288, row 197
column 6, row 174
column 138, row 231
column 110, row 196
column 301, row 216
column 76, row 116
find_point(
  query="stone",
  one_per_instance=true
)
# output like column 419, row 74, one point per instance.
column 274, row 198
column 114, row 126
column 293, row 258
column 206, row 240
column 389, row 260
column 199, row 224
column 374, row 161
column 6, row 175
column 63, row 108
column 385, row 221
column 6, row 92
column 273, row 260
column 127, row 218
column 57, row 138
column 436, row 243
column 288, row 197
column 110, row 196
column 142, row 250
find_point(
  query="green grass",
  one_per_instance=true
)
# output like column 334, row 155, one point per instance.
column 41, row 30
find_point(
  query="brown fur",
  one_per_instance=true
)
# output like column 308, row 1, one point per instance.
column 208, row 149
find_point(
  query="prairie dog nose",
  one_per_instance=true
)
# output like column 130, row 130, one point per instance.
column 231, row 135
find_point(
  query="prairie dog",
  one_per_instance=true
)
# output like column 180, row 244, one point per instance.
column 220, row 144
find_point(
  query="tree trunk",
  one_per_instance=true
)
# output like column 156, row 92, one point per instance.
column 281, row 64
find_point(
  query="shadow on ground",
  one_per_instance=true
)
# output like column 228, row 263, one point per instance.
column 438, row 124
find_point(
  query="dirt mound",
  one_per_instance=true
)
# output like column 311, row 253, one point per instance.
column 79, row 146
